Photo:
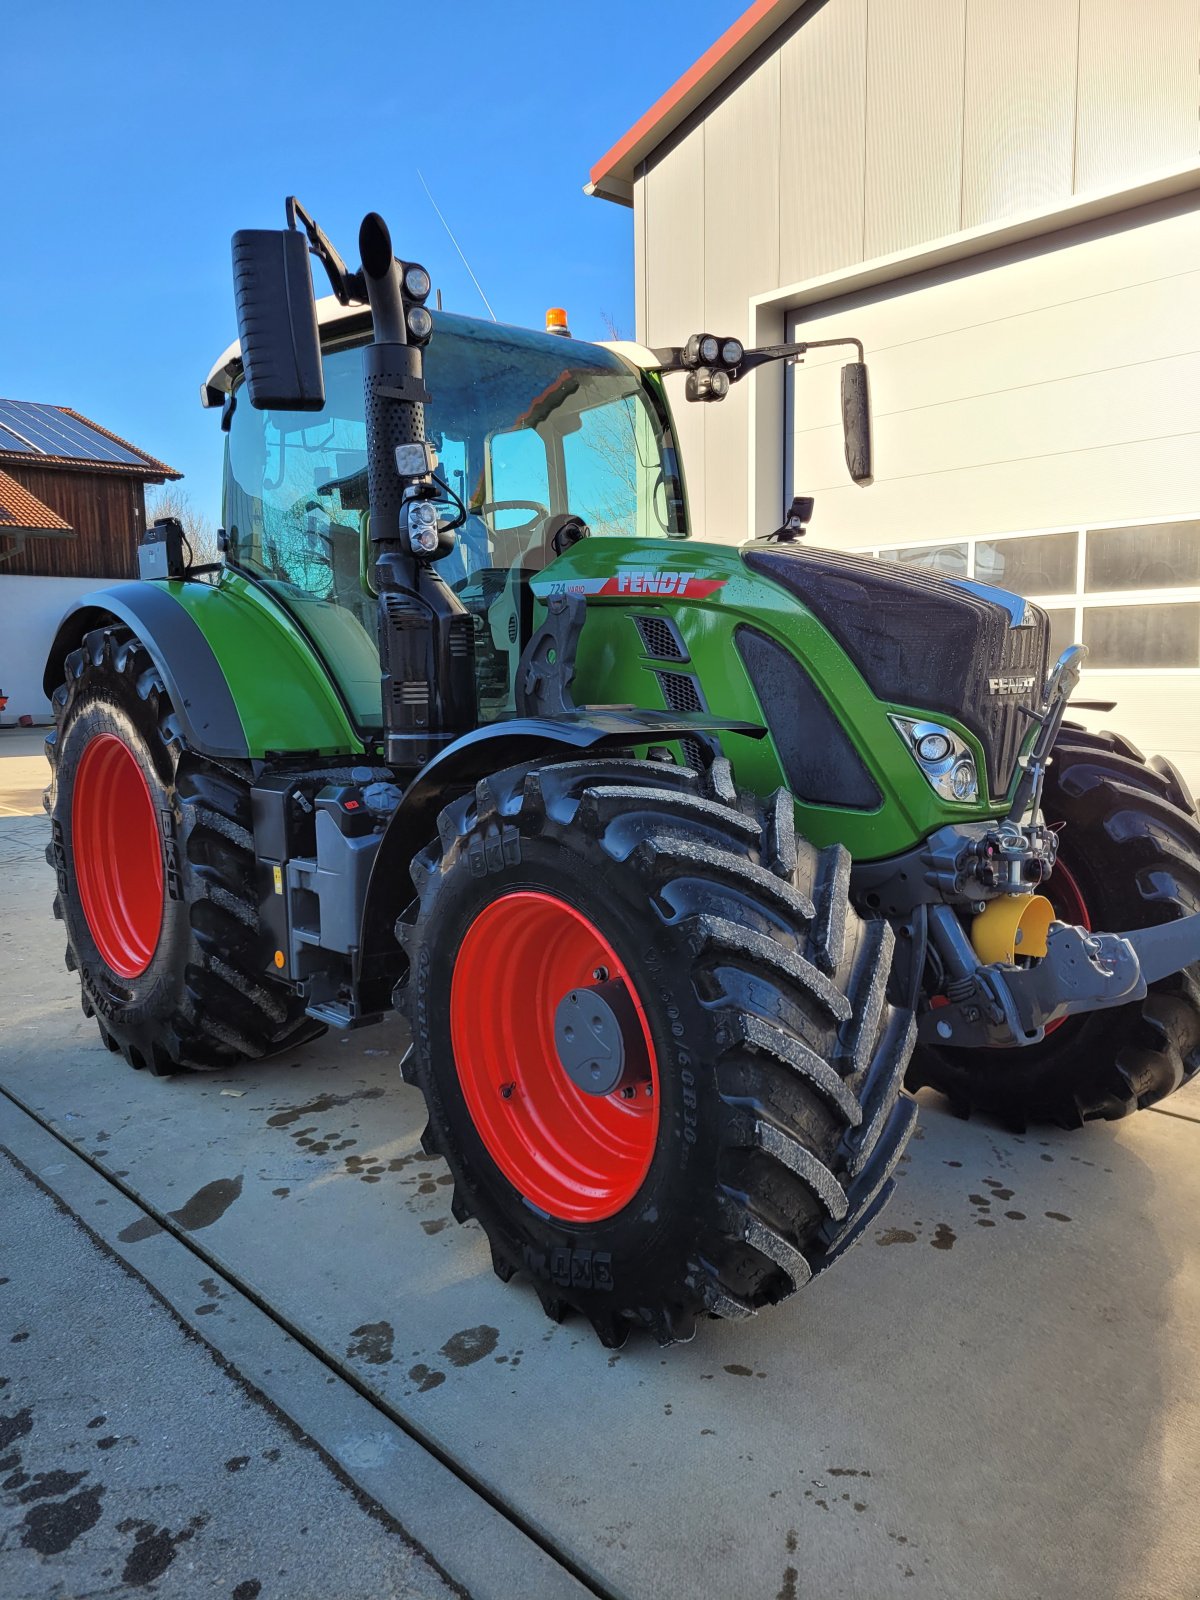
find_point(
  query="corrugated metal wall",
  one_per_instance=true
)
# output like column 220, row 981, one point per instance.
column 871, row 126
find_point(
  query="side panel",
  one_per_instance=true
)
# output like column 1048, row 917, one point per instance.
column 707, row 592
column 244, row 679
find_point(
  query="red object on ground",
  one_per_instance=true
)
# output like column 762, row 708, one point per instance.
column 118, row 858
column 575, row 1156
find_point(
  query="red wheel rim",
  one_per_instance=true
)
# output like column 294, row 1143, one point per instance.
column 1065, row 895
column 575, row 1156
column 118, row 861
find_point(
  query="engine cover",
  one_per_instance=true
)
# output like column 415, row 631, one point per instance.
column 929, row 643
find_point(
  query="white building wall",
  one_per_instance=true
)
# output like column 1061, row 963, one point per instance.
column 869, row 126
column 30, row 612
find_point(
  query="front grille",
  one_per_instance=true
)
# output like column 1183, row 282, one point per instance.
column 1005, row 717
column 680, row 691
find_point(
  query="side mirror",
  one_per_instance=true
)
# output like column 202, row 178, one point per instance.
column 277, row 320
column 856, row 421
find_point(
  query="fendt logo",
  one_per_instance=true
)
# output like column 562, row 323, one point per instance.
column 635, row 582
column 1014, row 683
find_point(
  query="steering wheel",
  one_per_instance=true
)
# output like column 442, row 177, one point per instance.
column 489, row 507
column 509, row 545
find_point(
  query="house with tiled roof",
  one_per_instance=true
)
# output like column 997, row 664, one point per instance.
column 72, row 511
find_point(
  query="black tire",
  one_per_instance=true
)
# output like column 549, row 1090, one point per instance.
column 1129, row 837
column 203, row 1001
column 780, row 1059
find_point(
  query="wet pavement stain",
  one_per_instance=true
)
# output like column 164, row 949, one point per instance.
column 1058, row 1216
column 943, row 1237
column 153, row 1550
column 53, row 1526
column 248, row 1589
column 208, row 1205
column 739, row 1371
column 471, row 1345
column 373, row 1343
column 848, row 1472
column 322, row 1103
column 1015, row 1216
column 15, row 1427
column 436, row 1225
column 236, row 1463
column 425, row 1377
column 50, row 1485
column 143, row 1228
column 896, row 1236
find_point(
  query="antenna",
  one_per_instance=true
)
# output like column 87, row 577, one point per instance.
column 456, row 244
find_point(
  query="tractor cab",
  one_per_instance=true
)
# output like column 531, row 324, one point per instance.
column 541, row 441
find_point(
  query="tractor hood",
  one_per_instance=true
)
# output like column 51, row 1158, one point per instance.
column 966, row 650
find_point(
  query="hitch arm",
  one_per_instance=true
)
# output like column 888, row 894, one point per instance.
column 1081, row 971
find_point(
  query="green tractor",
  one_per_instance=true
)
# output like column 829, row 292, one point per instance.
column 671, row 853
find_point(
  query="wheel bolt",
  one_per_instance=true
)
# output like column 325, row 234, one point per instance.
column 506, row 1090
column 600, row 975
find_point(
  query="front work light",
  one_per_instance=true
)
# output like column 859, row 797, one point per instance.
column 732, row 352
column 416, row 282
column 946, row 760
column 420, row 323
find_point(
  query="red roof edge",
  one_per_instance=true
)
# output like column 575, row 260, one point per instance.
column 152, row 462
column 616, row 166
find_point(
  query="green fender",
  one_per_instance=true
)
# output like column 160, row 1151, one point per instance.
column 243, row 677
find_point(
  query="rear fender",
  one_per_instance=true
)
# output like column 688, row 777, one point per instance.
column 245, row 680
column 207, row 712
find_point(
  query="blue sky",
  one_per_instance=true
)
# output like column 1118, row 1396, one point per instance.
column 138, row 137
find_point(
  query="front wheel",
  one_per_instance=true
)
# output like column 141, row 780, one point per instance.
column 653, row 1040
column 1129, row 858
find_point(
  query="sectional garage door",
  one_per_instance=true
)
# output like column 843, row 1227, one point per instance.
column 1037, row 424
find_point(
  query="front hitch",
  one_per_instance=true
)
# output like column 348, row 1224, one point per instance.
column 1008, row 1005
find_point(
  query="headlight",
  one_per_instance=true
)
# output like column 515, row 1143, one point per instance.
column 944, row 758
column 710, row 350
column 732, row 352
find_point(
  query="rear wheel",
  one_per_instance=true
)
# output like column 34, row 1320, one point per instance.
column 653, row 1040
column 154, row 856
column 1129, row 857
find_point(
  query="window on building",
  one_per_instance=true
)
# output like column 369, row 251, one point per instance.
column 950, row 560
column 1044, row 564
column 1165, row 556
column 1142, row 636
column 1086, row 581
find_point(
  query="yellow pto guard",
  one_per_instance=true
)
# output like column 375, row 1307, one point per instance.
column 1011, row 926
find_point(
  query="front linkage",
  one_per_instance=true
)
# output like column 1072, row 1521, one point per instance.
column 1021, row 970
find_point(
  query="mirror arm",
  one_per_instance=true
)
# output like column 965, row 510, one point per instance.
column 671, row 356
column 349, row 288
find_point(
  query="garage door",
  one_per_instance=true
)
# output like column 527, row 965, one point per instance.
column 1037, row 424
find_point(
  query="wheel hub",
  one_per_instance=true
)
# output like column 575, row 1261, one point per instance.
column 599, row 1040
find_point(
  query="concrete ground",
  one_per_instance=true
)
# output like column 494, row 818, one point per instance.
column 996, row 1395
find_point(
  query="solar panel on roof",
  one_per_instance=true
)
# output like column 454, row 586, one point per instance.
column 52, row 432
column 10, row 441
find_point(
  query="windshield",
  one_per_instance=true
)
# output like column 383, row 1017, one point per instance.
column 526, row 427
